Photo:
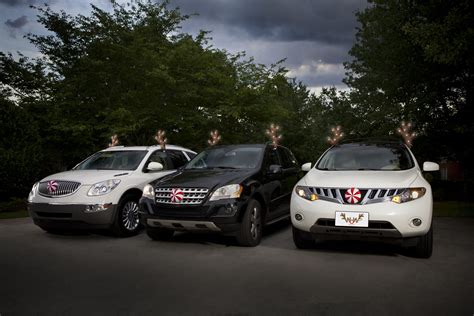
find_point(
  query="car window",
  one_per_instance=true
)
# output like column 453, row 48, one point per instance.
column 292, row 158
column 287, row 158
column 191, row 155
column 113, row 160
column 161, row 157
column 366, row 157
column 178, row 159
column 227, row 157
column 272, row 158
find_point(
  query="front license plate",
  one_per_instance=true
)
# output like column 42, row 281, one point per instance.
column 352, row 219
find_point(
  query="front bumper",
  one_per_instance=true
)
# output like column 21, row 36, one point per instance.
column 221, row 216
column 57, row 215
column 396, row 218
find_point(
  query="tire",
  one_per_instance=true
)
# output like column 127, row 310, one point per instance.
column 162, row 234
column 250, row 232
column 424, row 248
column 126, row 222
column 300, row 241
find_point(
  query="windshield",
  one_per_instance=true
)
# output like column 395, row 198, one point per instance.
column 366, row 157
column 113, row 160
column 227, row 158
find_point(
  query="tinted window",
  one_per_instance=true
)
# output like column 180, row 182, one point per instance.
column 191, row 155
column 178, row 159
column 272, row 158
column 227, row 157
column 366, row 157
column 161, row 157
column 113, row 160
column 287, row 158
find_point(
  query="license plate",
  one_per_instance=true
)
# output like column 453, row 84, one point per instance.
column 352, row 219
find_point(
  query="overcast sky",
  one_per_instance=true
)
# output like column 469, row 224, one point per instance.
column 313, row 35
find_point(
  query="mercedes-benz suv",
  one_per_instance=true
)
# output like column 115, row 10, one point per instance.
column 369, row 190
column 234, row 189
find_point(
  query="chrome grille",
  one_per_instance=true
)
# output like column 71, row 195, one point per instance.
column 368, row 196
column 191, row 196
column 63, row 188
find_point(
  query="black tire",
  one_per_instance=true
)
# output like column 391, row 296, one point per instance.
column 162, row 234
column 300, row 241
column 424, row 248
column 250, row 232
column 126, row 222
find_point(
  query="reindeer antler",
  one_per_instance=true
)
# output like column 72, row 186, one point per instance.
column 215, row 138
column 160, row 138
column 114, row 140
column 405, row 131
column 337, row 134
column 272, row 132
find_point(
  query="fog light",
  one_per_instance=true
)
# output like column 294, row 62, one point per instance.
column 97, row 207
column 298, row 217
column 416, row 222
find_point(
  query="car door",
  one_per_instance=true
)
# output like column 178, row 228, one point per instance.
column 290, row 175
column 272, row 183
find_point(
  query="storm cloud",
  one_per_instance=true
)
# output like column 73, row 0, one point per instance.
column 17, row 23
column 326, row 21
column 313, row 36
column 19, row 3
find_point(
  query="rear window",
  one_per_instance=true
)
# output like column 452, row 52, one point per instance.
column 362, row 156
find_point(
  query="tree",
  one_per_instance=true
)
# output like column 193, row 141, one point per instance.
column 402, row 70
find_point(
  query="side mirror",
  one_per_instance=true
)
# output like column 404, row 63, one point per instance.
column 274, row 169
column 430, row 166
column 154, row 166
column 306, row 167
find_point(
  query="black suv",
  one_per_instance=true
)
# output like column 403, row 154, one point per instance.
column 233, row 189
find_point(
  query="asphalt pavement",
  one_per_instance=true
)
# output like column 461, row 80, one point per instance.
column 194, row 274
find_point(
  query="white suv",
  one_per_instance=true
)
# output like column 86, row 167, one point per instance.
column 365, row 190
column 103, row 190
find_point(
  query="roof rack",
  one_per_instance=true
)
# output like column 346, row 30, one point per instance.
column 392, row 140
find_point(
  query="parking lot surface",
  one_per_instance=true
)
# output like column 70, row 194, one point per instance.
column 97, row 274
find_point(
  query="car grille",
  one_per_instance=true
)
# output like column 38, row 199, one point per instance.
column 58, row 188
column 367, row 196
column 191, row 196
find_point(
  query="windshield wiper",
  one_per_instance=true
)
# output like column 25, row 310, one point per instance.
column 224, row 167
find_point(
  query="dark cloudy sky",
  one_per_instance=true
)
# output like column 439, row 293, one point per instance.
column 313, row 35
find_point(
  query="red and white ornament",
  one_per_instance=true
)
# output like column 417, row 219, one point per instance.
column 177, row 195
column 52, row 186
column 353, row 195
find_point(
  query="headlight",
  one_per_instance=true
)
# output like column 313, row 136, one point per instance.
column 33, row 192
column 409, row 195
column 231, row 191
column 149, row 192
column 103, row 187
column 306, row 193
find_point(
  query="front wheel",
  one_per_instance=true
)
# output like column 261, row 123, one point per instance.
column 127, row 222
column 424, row 248
column 300, row 241
column 250, row 232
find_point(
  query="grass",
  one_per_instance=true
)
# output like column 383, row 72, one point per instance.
column 14, row 214
column 17, row 208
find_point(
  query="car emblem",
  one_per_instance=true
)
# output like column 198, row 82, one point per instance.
column 52, row 186
column 176, row 196
column 352, row 195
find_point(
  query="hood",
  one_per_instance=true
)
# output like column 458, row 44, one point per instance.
column 88, row 177
column 208, row 178
column 361, row 179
